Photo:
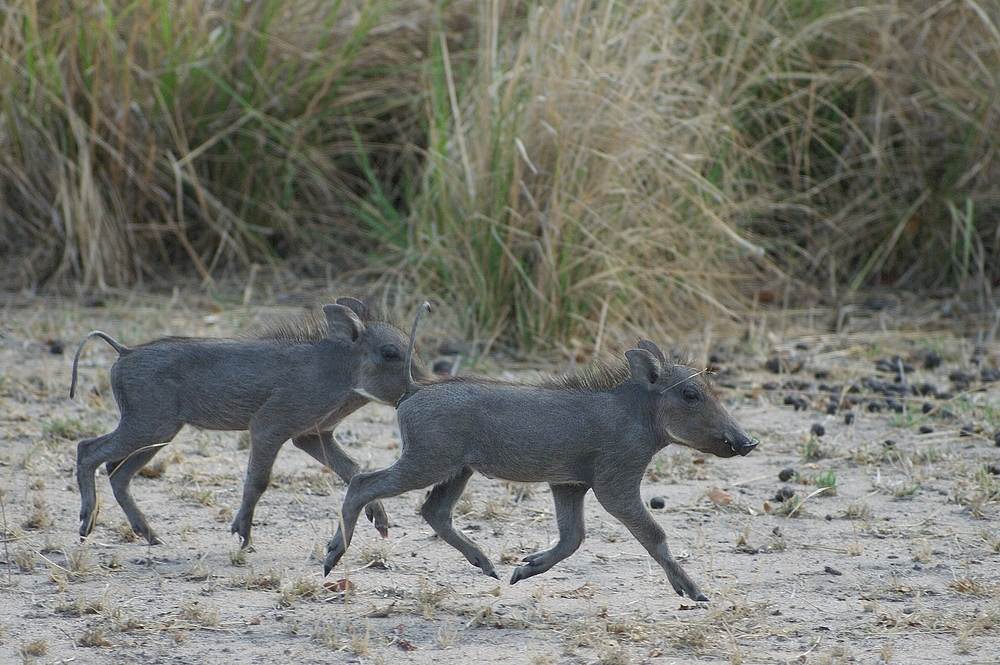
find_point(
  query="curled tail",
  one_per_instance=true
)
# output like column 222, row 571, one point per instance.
column 122, row 350
column 407, row 370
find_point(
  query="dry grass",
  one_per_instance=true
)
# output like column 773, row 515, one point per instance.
column 215, row 135
column 558, row 175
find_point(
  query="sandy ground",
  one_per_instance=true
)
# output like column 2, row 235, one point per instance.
column 895, row 561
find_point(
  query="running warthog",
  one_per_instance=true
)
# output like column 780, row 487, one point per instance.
column 599, row 430
column 295, row 380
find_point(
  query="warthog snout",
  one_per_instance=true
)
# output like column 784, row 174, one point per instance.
column 741, row 443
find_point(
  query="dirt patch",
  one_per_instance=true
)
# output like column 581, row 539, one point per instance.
column 878, row 543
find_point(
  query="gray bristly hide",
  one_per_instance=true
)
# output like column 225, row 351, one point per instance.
column 599, row 432
column 296, row 380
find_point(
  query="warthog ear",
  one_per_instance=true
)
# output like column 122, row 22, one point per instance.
column 358, row 307
column 645, row 368
column 652, row 348
column 343, row 323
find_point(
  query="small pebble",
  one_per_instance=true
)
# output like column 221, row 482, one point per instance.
column 831, row 571
column 784, row 494
column 797, row 402
column 657, row 502
column 927, row 389
column 849, row 418
column 786, row 474
column 818, row 429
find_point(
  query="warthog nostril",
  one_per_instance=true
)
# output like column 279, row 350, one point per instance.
column 741, row 443
column 747, row 445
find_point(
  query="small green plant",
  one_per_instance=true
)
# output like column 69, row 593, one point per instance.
column 812, row 449
column 827, row 480
column 238, row 557
column 905, row 490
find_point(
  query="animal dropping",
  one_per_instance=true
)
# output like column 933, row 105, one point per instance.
column 595, row 431
column 296, row 380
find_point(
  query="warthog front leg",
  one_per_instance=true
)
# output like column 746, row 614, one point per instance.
column 325, row 450
column 408, row 473
column 265, row 442
column 627, row 506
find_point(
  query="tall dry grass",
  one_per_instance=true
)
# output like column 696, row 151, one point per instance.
column 659, row 162
column 210, row 134
column 546, row 168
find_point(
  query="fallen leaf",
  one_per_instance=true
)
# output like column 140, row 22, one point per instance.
column 340, row 585
column 720, row 497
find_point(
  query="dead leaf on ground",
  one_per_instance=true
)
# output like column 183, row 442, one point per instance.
column 720, row 497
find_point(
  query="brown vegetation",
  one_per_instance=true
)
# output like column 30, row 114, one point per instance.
column 544, row 168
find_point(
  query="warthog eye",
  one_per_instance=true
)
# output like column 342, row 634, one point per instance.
column 691, row 394
column 390, row 352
